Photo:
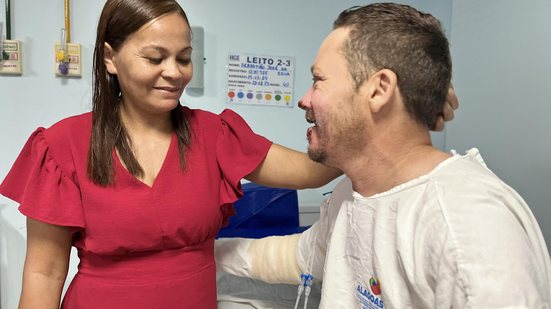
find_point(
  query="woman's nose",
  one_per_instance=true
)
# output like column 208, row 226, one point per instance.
column 172, row 69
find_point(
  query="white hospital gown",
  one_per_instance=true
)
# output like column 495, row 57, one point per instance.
column 458, row 237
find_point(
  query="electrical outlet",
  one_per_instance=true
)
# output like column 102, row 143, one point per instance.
column 72, row 65
column 10, row 62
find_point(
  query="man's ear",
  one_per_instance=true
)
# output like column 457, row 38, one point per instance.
column 109, row 59
column 381, row 88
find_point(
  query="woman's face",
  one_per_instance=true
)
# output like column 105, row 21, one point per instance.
column 153, row 65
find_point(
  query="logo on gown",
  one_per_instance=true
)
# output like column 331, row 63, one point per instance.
column 375, row 286
column 369, row 297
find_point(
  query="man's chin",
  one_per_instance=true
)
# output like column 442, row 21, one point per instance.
column 317, row 155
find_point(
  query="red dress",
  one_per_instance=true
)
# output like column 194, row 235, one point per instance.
column 139, row 246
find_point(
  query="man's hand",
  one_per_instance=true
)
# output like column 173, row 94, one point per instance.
column 452, row 103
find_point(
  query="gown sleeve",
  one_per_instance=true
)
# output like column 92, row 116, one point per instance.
column 239, row 152
column 38, row 184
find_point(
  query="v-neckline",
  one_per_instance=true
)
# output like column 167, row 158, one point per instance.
column 125, row 171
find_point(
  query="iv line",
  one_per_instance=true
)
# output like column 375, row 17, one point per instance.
column 307, row 278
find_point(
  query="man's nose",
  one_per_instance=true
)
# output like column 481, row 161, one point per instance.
column 304, row 102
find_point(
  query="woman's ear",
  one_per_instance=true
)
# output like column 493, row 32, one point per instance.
column 109, row 59
column 381, row 87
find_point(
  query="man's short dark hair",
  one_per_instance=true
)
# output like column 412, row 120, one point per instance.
column 410, row 43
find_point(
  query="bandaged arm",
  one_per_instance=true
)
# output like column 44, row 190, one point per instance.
column 271, row 259
column 281, row 259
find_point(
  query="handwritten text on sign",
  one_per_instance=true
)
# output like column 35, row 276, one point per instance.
column 260, row 80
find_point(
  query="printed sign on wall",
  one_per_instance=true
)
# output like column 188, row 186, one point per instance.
column 260, row 80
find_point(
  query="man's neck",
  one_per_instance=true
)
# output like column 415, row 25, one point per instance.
column 391, row 162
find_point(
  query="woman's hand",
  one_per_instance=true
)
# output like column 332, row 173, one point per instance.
column 452, row 103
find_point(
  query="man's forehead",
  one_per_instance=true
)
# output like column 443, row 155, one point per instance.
column 330, row 49
column 335, row 39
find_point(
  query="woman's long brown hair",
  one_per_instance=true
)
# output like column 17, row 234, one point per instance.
column 119, row 19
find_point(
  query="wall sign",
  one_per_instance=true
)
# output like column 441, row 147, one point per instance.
column 260, row 80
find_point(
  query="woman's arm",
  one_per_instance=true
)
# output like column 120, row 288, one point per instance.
column 287, row 168
column 46, row 265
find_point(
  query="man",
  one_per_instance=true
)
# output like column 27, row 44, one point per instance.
column 411, row 226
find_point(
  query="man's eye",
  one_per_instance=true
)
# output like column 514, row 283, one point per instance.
column 315, row 79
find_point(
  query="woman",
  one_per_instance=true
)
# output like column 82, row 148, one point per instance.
column 141, row 185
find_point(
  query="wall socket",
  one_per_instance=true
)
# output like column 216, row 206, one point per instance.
column 74, row 63
column 10, row 62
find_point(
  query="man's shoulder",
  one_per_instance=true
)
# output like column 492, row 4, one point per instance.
column 343, row 191
column 330, row 207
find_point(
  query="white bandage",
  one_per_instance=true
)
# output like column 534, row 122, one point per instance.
column 274, row 259
column 271, row 259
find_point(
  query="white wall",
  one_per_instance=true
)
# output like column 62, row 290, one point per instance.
column 37, row 98
column 502, row 73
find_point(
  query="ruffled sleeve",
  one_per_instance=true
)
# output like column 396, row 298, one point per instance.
column 38, row 184
column 239, row 151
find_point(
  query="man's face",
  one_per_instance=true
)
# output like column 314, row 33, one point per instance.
column 333, row 105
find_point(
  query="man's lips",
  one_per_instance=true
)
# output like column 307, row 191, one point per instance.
column 310, row 118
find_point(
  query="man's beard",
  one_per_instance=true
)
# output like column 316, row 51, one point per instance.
column 317, row 155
